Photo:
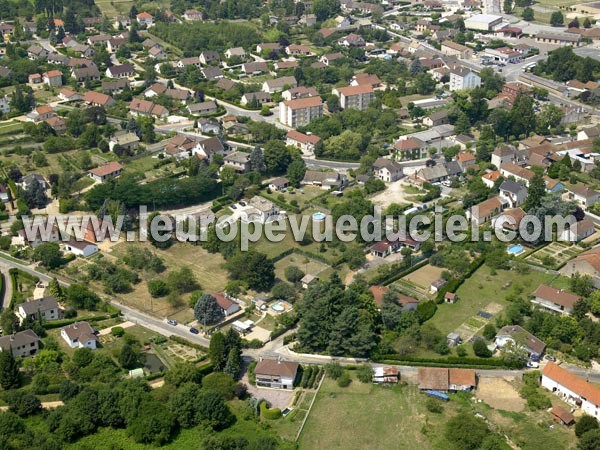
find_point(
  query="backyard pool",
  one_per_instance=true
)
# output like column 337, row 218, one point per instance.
column 318, row 217
column 278, row 307
column 515, row 250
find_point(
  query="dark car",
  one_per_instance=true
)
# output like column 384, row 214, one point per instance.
column 194, row 330
column 233, row 207
column 172, row 322
column 243, row 203
column 550, row 358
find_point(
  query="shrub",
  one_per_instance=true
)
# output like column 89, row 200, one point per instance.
column 364, row 373
column 434, row 406
column 344, row 380
column 461, row 351
column 306, row 376
column 269, row 413
column 334, row 370
column 117, row 331
column 585, row 424
column 480, row 349
column 489, row 331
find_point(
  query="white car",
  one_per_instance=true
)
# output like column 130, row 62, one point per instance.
column 533, row 364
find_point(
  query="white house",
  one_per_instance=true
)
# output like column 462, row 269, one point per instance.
column 522, row 338
column 228, row 306
column 24, row 343
column 572, row 389
column 81, row 248
column 387, row 170
column 79, row 335
column 513, row 193
column 554, row 300
column 45, row 309
column 578, row 231
column 275, row 373
column 463, row 78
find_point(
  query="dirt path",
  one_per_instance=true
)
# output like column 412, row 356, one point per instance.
column 45, row 405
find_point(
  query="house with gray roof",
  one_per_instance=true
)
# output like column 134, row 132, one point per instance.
column 45, row 309
column 21, row 344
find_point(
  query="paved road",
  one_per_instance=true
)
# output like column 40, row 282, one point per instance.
column 8, row 289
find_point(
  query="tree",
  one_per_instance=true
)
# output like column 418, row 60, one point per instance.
column 585, row 424
column 55, row 289
column 221, row 383
column 528, row 14
column 466, row 432
column 415, row 67
column 293, row 274
column 216, row 351
column 48, row 254
column 253, row 267
column 182, row 280
column 212, row 409
column 128, row 357
column 480, row 349
column 462, row 124
column 590, row 440
column 536, row 192
column 184, row 406
column 489, row 331
column 587, row 23
column 296, row 171
column 557, row 19
column 234, row 363
column 10, row 377
column 158, row 288
column 22, row 403
column 549, row 118
column 153, row 424
column 277, row 157
column 257, row 161
column 508, row 4
column 207, row 311
column 522, row 115
column 9, row 322
column 183, row 373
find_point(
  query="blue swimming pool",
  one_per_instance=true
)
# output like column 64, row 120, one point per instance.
column 515, row 249
column 318, row 217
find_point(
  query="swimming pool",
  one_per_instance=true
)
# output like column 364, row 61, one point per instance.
column 278, row 307
column 515, row 249
column 318, row 217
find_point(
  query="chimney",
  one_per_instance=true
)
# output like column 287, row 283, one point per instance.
column 12, row 337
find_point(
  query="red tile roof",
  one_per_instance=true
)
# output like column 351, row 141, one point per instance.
column 572, row 382
column 107, row 169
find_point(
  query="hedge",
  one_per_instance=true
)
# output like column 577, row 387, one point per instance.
column 449, row 361
column 282, row 204
column 453, row 285
column 389, row 279
column 62, row 323
column 269, row 413
column 183, row 341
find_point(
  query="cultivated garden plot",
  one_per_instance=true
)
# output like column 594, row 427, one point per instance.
column 554, row 254
column 417, row 284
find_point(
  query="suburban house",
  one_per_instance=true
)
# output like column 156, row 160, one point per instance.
column 121, row 71
column 256, row 97
column 451, row 48
column 554, row 300
column 410, row 149
column 517, row 172
column 207, row 148
column 299, row 92
column 521, row 338
column 279, row 184
column 578, row 231
column 355, row 97
column 393, row 244
column 79, row 335
column 277, row 85
column 387, row 170
column 572, row 389
column 513, row 193
column 98, row 99
column 105, row 172
column 260, row 209
column 327, row 180
column 228, row 306
column 81, row 248
column 485, row 211
column 21, row 344
column 83, row 74
column 114, row 86
column 583, row 195
column 203, row 108
column 586, row 263
column 40, row 113
column 125, row 141
column 238, row 52
column 300, row 112
column 254, row 68
column 139, row 107
column 239, row 161
column 193, row 14
column 463, row 78
column 298, row 50
column 45, row 309
column 53, row 78
column 446, row 379
column 145, row 18
column 209, row 56
column 308, row 280
column 465, row 160
column 436, row 118
column 305, row 142
column 69, row 95
column 275, row 373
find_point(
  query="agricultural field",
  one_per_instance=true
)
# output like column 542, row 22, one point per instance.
column 483, row 288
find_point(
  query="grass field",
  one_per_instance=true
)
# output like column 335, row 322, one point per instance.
column 483, row 288
column 370, row 417
column 307, row 265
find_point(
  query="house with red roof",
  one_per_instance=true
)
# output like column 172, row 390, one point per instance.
column 572, row 389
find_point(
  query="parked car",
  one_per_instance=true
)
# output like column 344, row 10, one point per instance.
column 243, row 203
column 550, row 358
column 533, row 364
column 194, row 330
column 172, row 322
column 233, row 207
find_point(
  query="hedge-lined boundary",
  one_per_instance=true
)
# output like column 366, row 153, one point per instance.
column 449, row 361
column 14, row 273
column 283, row 204
column 453, row 285
column 183, row 341
column 389, row 279
column 65, row 322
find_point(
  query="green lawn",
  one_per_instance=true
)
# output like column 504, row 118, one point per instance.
column 483, row 288
column 367, row 417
